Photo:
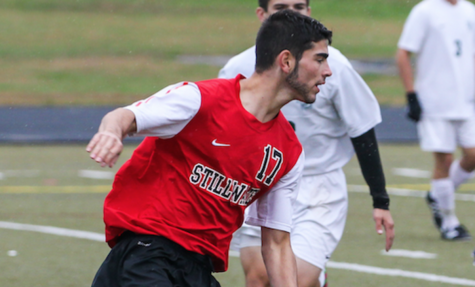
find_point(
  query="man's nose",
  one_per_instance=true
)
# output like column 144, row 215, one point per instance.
column 328, row 71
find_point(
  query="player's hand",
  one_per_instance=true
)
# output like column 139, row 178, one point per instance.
column 382, row 218
column 105, row 148
column 414, row 108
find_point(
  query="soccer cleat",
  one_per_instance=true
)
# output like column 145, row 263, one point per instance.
column 473, row 256
column 436, row 216
column 459, row 233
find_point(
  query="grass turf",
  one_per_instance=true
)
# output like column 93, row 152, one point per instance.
column 114, row 52
column 62, row 199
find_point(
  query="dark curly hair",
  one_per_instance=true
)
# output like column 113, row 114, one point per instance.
column 287, row 30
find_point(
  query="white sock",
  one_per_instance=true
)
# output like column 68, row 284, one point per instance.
column 459, row 175
column 443, row 192
column 449, row 219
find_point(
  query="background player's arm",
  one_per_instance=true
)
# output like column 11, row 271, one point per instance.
column 367, row 151
column 403, row 60
column 278, row 257
column 106, row 145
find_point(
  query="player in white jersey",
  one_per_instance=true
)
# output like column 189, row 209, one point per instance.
column 441, row 100
column 344, row 113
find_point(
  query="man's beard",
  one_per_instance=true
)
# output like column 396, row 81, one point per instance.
column 300, row 88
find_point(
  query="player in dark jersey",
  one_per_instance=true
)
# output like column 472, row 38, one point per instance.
column 213, row 148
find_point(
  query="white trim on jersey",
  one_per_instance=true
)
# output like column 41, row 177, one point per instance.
column 272, row 209
column 167, row 112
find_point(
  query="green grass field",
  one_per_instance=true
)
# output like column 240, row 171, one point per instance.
column 99, row 52
column 40, row 185
column 113, row 52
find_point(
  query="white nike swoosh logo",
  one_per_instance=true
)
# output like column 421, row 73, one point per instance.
column 219, row 144
column 144, row 244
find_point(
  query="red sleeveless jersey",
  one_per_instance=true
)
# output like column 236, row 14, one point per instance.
column 193, row 188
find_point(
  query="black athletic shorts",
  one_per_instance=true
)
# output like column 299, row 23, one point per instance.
column 149, row 260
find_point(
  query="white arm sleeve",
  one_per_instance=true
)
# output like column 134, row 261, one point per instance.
column 355, row 102
column 414, row 31
column 274, row 209
column 167, row 112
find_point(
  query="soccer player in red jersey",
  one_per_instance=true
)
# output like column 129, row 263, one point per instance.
column 212, row 148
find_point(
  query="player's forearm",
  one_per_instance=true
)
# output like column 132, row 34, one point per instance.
column 367, row 151
column 120, row 122
column 106, row 145
column 403, row 60
column 281, row 266
column 280, row 261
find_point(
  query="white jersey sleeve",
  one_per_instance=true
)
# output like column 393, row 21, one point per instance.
column 275, row 208
column 355, row 102
column 243, row 64
column 167, row 112
column 415, row 30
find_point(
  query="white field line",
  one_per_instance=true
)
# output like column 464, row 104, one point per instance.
column 331, row 264
column 411, row 172
column 392, row 272
column 400, row 273
column 53, row 230
column 233, row 253
column 96, row 174
column 408, row 254
column 19, row 173
column 409, row 192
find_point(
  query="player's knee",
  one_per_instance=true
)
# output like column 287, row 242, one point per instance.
column 312, row 284
column 308, row 274
column 444, row 162
column 305, row 282
column 257, row 278
column 469, row 157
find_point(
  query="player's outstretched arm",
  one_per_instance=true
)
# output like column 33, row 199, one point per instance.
column 367, row 151
column 382, row 218
column 106, row 145
column 279, row 257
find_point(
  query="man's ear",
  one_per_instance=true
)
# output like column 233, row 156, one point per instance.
column 261, row 14
column 286, row 61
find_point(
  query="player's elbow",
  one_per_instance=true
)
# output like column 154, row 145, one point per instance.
column 402, row 56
